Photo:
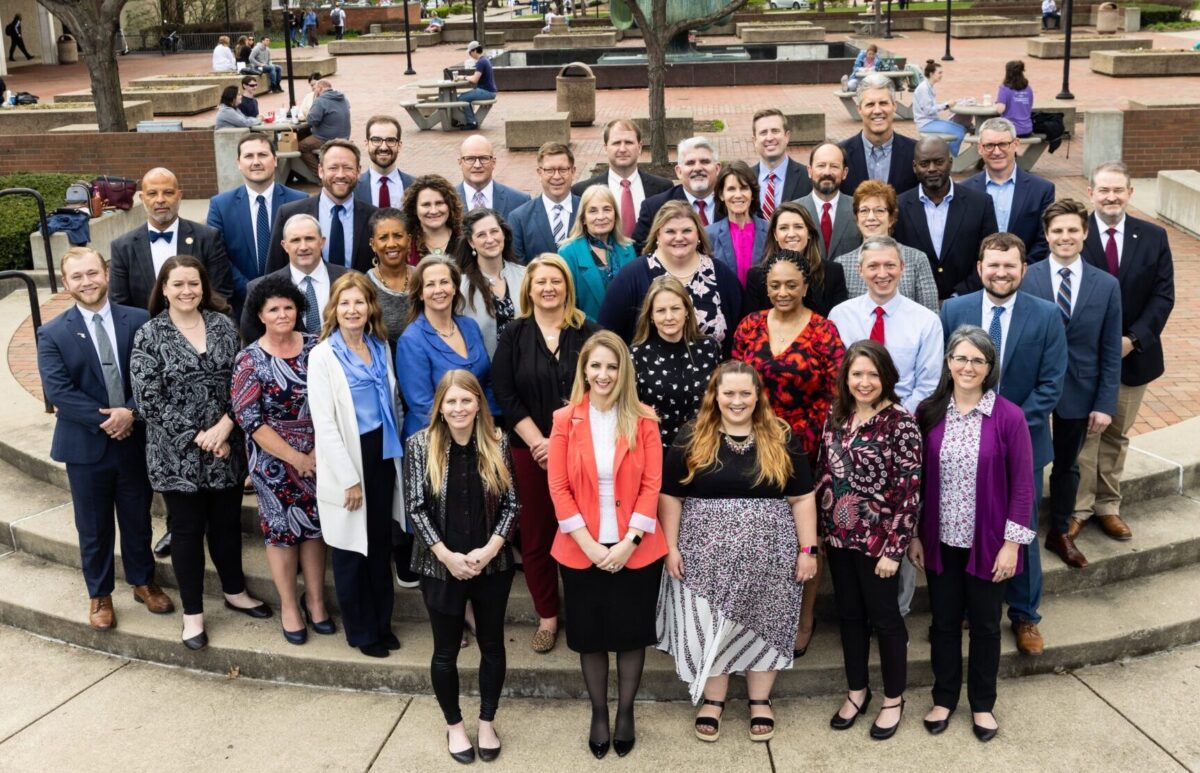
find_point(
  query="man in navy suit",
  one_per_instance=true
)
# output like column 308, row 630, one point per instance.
column 83, row 359
column 1138, row 254
column 877, row 152
column 138, row 255
column 780, row 178
column 477, row 160
column 244, row 216
column 945, row 221
column 696, row 167
column 1018, row 197
column 383, row 184
column 1089, row 301
column 1029, row 335
column 629, row 185
column 543, row 223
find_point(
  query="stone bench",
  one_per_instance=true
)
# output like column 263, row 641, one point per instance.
column 532, row 133
column 289, row 163
column 304, row 66
column 968, row 155
column 218, row 79
column 598, row 39
column 1005, row 28
column 848, row 102
column 426, row 39
column 1162, row 62
column 39, row 119
column 679, row 124
column 1082, row 45
column 744, row 25
column 1178, row 199
column 806, row 123
column 180, row 100
column 370, row 44
column 938, row 23
column 1069, row 113
column 781, row 34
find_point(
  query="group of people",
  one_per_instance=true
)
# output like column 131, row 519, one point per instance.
column 678, row 399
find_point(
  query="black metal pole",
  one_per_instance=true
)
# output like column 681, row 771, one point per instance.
column 287, row 52
column 226, row 15
column 947, row 57
column 1066, row 87
column 888, row 35
column 408, row 41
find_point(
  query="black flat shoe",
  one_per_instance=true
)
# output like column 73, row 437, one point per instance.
column 838, row 722
column 323, row 627
column 599, row 750
column 376, row 651
column 984, row 734
column 200, row 641
column 938, row 726
column 390, row 641
column 465, row 757
column 162, row 548
column 884, row 733
column 261, row 612
column 623, row 747
column 489, row 755
column 295, row 637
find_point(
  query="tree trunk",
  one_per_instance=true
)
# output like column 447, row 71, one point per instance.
column 94, row 23
column 480, row 9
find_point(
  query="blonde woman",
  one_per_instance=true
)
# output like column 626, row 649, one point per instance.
column 605, row 471
column 351, row 395
column 463, row 506
column 596, row 249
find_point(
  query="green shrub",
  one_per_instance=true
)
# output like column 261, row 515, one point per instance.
column 1157, row 13
column 19, row 214
column 460, row 8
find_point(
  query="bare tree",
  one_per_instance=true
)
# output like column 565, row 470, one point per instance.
column 657, row 32
column 480, row 9
column 95, row 24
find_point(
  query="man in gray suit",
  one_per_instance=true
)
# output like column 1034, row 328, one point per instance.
column 383, row 184
column 832, row 212
column 477, row 160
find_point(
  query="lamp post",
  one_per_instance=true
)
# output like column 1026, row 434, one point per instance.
column 947, row 57
column 408, row 42
column 287, row 51
column 888, row 34
column 1066, row 87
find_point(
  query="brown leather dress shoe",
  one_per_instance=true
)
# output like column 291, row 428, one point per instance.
column 1074, row 528
column 1029, row 638
column 1063, row 546
column 100, row 613
column 153, row 597
column 1113, row 526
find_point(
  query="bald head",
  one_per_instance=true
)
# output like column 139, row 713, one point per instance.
column 161, row 195
column 933, row 146
column 477, row 159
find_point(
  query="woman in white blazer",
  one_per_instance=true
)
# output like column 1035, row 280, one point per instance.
column 491, row 275
column 351, row 395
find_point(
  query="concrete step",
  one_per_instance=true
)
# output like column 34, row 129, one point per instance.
column 1093, row 626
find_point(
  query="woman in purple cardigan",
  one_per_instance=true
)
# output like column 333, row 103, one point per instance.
column 978, row 497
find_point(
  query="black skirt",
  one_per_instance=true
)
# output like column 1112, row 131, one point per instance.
column 611, row 612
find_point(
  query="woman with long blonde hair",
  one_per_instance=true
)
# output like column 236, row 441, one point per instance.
column 605, row 471
column 740, row 522
column 596, row 249
column 463, row 506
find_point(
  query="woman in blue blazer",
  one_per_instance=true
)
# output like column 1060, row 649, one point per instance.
column 437, row 339
column 739, row 236
column 597, row 248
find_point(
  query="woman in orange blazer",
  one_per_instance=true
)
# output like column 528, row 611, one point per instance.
column 605, row 470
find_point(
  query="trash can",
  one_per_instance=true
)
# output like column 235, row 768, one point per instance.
column 1108, row 19
column 1133, row 19
column 576, row 89
column 68, row 51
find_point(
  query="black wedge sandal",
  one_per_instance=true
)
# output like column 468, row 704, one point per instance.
column 761, row 721
column 713, row 722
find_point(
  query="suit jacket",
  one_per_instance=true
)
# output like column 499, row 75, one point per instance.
column 363, row 190
column 722, row 242
column 1033, row 363
column 575, row 488
column 796, row 182
column 970, row 219
column 252, row 328
column 1147, row 279
column 131, row 271
column 229, row 213
column 74, row 382
column 1093, row 339
column 505, row 200
column 846, row 236
column 900, row 173
column 531, row 229
column 311, row 206
column 649, row 209
column 652, row 185
column 1031, row 196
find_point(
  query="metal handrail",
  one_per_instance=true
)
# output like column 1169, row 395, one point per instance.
column 42, row 226
column 34, row 312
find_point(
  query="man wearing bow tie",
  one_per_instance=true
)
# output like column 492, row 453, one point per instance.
column 138, row 255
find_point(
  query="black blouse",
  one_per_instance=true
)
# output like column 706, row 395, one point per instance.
column 733, row 475
column 467, row 529
column 821, row 300
column 527, row 380
column 671, row 378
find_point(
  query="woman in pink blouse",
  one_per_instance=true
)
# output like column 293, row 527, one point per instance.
column 739, row 236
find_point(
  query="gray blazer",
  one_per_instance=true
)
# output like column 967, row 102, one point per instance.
column 514, row 274
column 916, row 283
column 846, row 235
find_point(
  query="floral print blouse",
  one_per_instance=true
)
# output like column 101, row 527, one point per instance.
column 706, row 297
column 869, row 483
column 671, row 378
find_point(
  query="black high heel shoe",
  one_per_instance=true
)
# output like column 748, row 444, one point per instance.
column 938, row 726
column 798, row 652
column 465, row 757
column 261, row 612
column 324, row 627
column 884, row 733
column 623, row 747
column 294, row 637
column 599, row 750
column 838, row 722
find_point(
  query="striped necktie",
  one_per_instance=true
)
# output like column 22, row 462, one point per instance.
column 557, row 225
column 1063, row 297
column 768, row 206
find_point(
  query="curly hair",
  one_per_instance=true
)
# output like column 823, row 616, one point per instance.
column 453, row 219
column 272, row 286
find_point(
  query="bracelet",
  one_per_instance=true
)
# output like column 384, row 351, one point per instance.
column 811, row 550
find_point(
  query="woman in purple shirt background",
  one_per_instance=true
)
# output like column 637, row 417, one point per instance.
column 1014, row 98
column 978, row 498
column 739, row 236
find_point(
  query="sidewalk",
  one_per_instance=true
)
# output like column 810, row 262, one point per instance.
column 67, row 709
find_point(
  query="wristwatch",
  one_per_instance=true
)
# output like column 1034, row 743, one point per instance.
column 811, row 550
column 636, row 539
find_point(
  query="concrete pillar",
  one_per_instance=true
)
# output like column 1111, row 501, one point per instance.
column 225, row 152
column 4, row 58
column 1103, row 138
column 48, row 30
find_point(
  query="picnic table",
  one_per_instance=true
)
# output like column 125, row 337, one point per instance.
column 444, row 109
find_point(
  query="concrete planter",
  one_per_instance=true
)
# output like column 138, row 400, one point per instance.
column 1004, row 28
column 302, row 67
column 1082, row 45
column 426, row 39
column 185, row 100
column 370, row 44
column 218, row 79
column 742, row 26
column 111, row 224
column 1122, row 64
column 532, row 133
column 680, row 125
column 37, row 119
column 1178, row 198
column 783, row 34
column 598, row 39
column 807, row 124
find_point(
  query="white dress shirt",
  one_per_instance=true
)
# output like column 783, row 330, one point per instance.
column 604, row 445
column 320, row 277
column 325, row 217
column 161, row 250
column 106, row 320
column 1076, row 267
column 710, row 204
column 1119, row 236
column 566, row 210
column 469, row 192
column 833, row 205
column 252, row 199
column 1005, row 320
column 635, row 187
column 395, row 187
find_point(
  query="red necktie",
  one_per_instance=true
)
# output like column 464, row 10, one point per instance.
column 768, row 206
column 1110, row 253
column 700, row 209
column 628, row 221
column 385, row 196
column 826, row 227
column 877, row 328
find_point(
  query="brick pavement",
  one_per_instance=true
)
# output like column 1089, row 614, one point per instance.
column 376, row 84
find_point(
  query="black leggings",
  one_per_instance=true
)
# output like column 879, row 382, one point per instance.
column 488, row 594
column 215, row 515
column 864, row 602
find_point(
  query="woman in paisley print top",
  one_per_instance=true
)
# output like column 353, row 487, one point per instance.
column 672, row 360
column 868, row 495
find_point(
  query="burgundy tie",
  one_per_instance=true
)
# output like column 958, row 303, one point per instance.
column 826, row 226
column 700, row 209
column 1110, row 253
column 385, row 196
column 628, row 221
column 877, row 328
column 768, row 206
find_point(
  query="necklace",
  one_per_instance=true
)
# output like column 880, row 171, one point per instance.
column 739, row 447
column 199, row 322
column 491, row 280
column 453, row 330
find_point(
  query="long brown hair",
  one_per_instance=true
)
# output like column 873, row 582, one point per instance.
column 844, row 403
column 493, row 470
column 416, row 282
column 209, row 300
column 355, row 280
column 666, row 284
column 1014, row 75
column 816, row 270
column 453, row 216
column 771, row 433
column 625, row 401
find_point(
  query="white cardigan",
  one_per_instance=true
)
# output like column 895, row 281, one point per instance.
column 338, row 453
column 514, row 274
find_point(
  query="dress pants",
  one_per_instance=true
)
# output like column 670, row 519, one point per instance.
column 117, row 481
column 364, row 584
column 214, row 515
column 1024, row 594
column 1068, row 437
column 864, row 602
column 951, row 594
column 906, row 585
column 1102, row 459
column 538, row 527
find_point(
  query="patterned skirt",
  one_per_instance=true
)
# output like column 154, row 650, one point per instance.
column 738, row 606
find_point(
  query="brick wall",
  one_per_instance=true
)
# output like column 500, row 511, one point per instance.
column 1161, row 138
column 189, row 154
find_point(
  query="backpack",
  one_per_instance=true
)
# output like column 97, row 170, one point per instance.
column 1051, row 125
column 25, row 98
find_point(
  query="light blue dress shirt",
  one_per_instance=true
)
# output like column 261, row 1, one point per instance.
column 325, row 216
column 1002, row 197
column 879, row 158
column 780, row 173
column 935, row 217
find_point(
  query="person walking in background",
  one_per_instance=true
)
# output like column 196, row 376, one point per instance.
column 337, row 17
column 13, row 30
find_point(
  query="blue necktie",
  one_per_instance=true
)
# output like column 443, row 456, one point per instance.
column 262, row 233
column 164, row 235
column 1063, row 299
column 312, row 313
column 995, row 333
column 337, row 238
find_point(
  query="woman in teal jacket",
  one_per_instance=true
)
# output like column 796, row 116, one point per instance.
column 597, row 248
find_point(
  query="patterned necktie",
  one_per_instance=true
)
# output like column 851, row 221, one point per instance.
column 164, row 235
column 312, row 314
column 385, row 194
column 1063, row 298
column 628, row 218
column 1110, row 253
column 337, row 237
column 262, row 233
column 477, row 201
column 700, row 208
column 826, row 226
column 877, row 328
column 556, row 224
column 996, row 333
column 768, row 206
column 108, row 364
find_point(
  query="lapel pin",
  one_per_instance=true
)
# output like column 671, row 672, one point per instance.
column 188, row 240
column 81, row 335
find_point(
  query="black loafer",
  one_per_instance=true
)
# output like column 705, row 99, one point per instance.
column 599, row 750
column 489, row 755
column 200, row 641
column 378, row 651
column 465, row 757
column 937, row 727
column 390, row 641
column 261, row 612
column 295, row 637
column 324, row 627
column 984, row 734
column 623, row 747
column 162, row 548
